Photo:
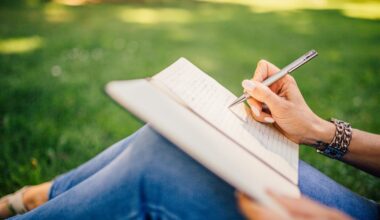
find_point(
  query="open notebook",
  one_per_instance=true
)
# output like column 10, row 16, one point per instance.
column 191, row 109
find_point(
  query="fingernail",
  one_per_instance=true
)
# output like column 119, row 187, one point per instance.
column 255, row 111
column 269, row 119
column 248, row 84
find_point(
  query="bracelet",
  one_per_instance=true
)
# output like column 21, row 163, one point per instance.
column 339, row 144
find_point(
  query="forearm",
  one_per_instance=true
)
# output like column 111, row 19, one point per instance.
column 363, row 151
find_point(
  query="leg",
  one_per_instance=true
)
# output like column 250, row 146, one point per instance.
column 37, row 195
column 150, row 179
column 321, row 188
column 70, row 179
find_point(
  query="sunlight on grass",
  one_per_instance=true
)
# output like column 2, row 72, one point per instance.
column 303, row 25
column 20, row 45
column 370, row 10
column 275, row 5
column 364, row 10
column 57, row 13
column 72, row 2
column 150, row 16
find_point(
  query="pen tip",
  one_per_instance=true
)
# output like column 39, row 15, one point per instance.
column 232, row 104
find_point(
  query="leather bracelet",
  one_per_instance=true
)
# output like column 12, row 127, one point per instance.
column 339, row 144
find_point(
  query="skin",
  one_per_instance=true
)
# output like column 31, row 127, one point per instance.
column 302, row 208
column 282, row 104
column 287, row 109
column 33, row 197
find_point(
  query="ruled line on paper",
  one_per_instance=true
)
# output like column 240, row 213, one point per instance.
column 208, row 98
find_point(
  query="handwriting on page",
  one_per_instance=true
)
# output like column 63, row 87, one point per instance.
column 210, row 100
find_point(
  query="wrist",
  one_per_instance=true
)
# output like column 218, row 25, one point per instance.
column 321, row 130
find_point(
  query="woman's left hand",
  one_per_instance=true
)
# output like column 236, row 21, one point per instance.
column 302, row 208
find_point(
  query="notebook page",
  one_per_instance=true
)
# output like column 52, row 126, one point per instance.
column 210, row 100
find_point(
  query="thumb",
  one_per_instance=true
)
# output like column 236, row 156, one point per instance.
column 262, row 93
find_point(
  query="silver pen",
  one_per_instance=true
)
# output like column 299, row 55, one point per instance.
column 288, row 69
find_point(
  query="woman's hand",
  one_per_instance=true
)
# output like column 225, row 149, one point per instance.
column 285, row 107
column 302, row 208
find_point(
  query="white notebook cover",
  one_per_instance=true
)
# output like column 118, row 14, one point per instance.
column 201, row 140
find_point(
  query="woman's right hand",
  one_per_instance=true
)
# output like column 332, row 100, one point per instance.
column 286, row 107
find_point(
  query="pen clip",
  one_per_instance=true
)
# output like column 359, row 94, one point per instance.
column 302, row 60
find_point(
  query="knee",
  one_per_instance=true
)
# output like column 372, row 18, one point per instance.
column 152, row 147
column 149, row 150
column 161, row 161
column 166, row 174
column 148, row 141
column 165, row 166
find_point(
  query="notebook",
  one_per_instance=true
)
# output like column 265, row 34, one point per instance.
column 190, row 108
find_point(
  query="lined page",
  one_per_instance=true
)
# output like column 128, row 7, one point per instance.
column 210, row 100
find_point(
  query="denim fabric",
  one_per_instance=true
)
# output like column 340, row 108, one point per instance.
column 146, row 177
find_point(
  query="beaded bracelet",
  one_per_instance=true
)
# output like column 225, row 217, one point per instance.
column 339, row 144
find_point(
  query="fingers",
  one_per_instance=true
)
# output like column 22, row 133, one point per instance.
column 253, row 210
column 296, row 206
column 258, row 113
column 305, row 208
column 262, row 94
column 256, row 107
column 263, row 70
column 266, row 69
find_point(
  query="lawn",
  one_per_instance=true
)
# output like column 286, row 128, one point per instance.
column 56, row 59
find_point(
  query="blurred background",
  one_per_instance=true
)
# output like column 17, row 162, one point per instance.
column 56, row 57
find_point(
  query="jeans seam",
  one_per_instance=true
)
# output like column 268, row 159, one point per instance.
column 135, row 215
column 161, row 210
column 52, row 190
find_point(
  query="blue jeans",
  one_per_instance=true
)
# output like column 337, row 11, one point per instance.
column 146, row 177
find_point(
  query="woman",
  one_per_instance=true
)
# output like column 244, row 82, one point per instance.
column 146, row 177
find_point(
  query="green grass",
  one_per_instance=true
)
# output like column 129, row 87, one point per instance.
column 54, row 114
